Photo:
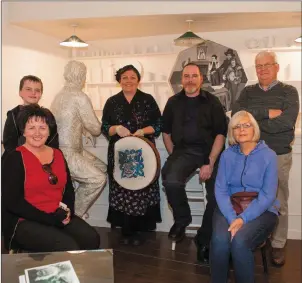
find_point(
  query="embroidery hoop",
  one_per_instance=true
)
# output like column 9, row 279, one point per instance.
column 134, row 147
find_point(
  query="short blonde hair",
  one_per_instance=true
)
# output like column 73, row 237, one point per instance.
column 236, row 119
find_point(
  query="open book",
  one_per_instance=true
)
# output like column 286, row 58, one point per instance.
column 60, row 272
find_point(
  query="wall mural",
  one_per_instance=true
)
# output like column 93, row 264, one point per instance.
column 223, row 73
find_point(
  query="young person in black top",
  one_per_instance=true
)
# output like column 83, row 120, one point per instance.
column 30, row 90
column 194, row 130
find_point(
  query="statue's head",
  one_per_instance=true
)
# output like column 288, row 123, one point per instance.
column 75, row 73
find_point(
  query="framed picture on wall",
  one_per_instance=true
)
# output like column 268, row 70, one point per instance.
column 201, row 52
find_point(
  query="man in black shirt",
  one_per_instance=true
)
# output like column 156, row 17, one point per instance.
column 194, row 130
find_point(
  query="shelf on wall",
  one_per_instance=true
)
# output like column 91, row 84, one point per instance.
column 116, row 84
column 284, row 81
column 276, row 49
column 124, row 55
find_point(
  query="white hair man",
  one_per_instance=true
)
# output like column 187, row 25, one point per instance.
column 275, row 106
column 75, row 117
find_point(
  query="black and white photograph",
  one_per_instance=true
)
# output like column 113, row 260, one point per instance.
column 201, row 52
column 222, row 70
column 61, row 272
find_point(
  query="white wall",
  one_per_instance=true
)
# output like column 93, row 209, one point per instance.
column 240, row 40
column 26, row 52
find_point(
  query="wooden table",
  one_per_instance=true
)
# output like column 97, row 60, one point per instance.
column 90, row 266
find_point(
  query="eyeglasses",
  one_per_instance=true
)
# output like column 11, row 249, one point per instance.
column 244, row 126
column 52, row 178
column 265, row 66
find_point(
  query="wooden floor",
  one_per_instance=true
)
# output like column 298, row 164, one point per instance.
column 154, row 262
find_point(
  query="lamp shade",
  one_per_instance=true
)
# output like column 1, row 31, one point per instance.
column 74, row 41
column 299, row 39
column 189, row 38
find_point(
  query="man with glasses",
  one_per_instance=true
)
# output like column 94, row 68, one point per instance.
column 194, row 130
column 275, row 106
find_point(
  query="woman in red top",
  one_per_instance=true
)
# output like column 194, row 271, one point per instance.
column 35, row 184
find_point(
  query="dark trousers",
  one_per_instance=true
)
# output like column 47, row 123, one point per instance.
column 248, row 237
column 175, row 173
column 37, row 237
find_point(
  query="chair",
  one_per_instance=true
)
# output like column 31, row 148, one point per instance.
column 262, row 248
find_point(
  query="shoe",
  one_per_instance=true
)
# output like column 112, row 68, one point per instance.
column 125, row 240
column 278, row 256
column 203, row 251
column 137, row 240
column 195, row 239
column 203, row 254
column 177, row 232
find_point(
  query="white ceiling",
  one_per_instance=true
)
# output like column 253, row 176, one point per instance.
column 91, row 29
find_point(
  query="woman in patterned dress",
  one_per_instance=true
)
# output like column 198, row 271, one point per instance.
column 131, row 112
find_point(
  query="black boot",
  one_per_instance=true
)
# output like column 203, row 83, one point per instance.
column 203, row 254
column 203, row 251
column 125, row 240
column 137, row 239
column 177, row 232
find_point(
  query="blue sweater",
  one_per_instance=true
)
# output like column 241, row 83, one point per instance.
column 256, row 172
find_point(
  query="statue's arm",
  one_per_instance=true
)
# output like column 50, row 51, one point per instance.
column 88, row 117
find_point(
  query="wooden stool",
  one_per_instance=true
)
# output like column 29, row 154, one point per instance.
column 262, row 248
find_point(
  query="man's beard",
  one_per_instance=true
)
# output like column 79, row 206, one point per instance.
column 191, row 89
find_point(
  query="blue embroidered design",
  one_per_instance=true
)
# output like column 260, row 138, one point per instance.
column 131, row 163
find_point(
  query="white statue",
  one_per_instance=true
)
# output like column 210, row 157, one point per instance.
column 75, row 117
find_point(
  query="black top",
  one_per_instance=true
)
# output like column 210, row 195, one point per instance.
column 194, row 122
column 192, row 136
column 141, row 112
column 12, row 137
column 14, row 204
column 278, row 133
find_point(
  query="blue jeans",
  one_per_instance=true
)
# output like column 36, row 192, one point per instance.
column 241, row 247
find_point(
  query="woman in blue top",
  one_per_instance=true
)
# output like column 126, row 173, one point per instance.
column 247, row 165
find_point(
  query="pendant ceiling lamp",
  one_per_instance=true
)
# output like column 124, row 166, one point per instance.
column 299, row 39
column 74, row 41
column 189, row 38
